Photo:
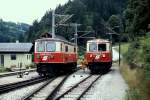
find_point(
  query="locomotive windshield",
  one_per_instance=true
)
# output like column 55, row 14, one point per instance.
column 101, row 47
column 40, row 47
column 93, row 47
column 51, row 46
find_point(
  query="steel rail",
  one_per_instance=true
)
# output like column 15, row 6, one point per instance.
column 69, row 90
column 28, row 97
column 13, row 86
column 15, row 73
column 54, row 92
column 79, row 98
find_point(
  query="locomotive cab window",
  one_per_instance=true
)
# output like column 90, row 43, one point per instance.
column 40, row 47
column 101, row 47
column 93, row 47
column 51, row 46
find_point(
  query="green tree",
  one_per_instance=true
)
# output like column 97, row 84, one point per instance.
column 114, row 22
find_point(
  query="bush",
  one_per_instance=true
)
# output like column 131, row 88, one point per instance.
column 139, row 53
column 134, row 94
column 2, row 69
column 30, row 66
column 146, row 53
column 132, row 52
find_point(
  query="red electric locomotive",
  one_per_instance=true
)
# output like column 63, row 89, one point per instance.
column 54, row 55
column 99, row 55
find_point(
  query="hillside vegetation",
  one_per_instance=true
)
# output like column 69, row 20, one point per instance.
column 10, row 31
column 93, row 15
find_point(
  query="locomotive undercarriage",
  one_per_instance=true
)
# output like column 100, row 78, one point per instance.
column 52, row 69
column 99, row 67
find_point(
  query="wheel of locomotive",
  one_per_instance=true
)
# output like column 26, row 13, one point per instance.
column 51, row 70
column 74, row 66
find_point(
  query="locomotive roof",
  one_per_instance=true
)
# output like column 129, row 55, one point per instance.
column 99, row 40
column 54, row 39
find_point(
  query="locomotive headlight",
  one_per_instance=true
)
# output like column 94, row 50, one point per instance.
column 91, row 55
column 103, row 55
column 97, row 57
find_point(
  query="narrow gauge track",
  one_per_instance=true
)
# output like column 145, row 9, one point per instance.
column 12, row 86
column 15, row 73
column 78, row 90
column 46, row 89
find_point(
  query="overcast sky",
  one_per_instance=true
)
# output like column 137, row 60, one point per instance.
column 26, row 10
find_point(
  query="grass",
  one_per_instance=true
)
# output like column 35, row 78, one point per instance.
column 124, row 48
column 133, row 77
column 2, row 69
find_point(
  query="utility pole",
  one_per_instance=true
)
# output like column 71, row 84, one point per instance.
column 76, row 34
column 119, row 49
column 53, row 24
column 67, row 17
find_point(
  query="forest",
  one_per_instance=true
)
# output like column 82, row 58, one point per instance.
column 10, row 31
column 93, row 15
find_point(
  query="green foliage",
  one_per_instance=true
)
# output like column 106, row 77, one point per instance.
column 113, row 21
column 146, row 65
column 2, row 69
column 134, row 94
column 10, row 31
column 92, row 14
column 137, row 17
column 139, row 52
column 132, row 52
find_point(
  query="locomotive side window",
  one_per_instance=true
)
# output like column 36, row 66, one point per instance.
column 51, row 46
column 40, row 47
column 101, row 47
column 66, row 48
column 74, row 49
column 93, row 47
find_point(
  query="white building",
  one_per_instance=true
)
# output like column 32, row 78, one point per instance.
column 14, row 55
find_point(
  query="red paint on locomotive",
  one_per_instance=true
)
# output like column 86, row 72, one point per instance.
column 98, row 57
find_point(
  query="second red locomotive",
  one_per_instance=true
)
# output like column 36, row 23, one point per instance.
column 54, row 55
column 99, row 55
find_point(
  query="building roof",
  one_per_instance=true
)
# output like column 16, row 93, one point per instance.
column 15, row 47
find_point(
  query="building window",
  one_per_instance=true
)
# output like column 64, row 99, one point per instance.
column 13, row 57
column 28, row 57
column 1, row 60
